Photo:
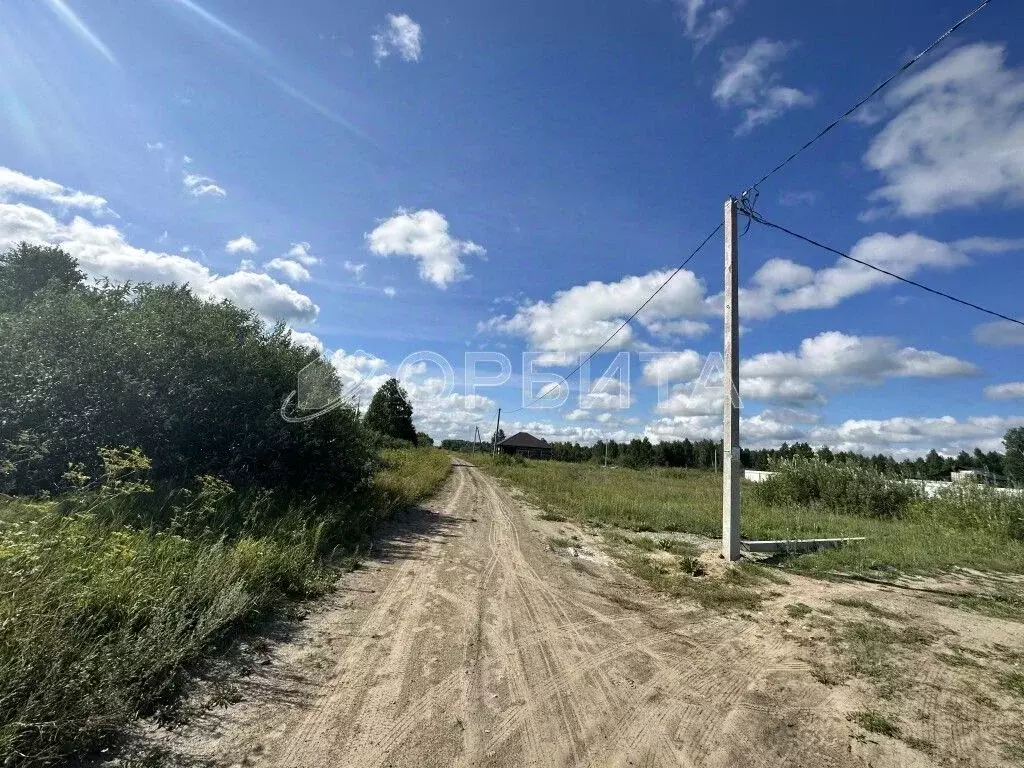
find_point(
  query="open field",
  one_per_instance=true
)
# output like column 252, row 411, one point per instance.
column 484, row 633
column 932, row 536
column 103, row 612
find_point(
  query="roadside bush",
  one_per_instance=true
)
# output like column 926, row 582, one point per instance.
column 100, row 620
column 978, row 507
column 387, row 442
column 840, row 488
column 102, row 610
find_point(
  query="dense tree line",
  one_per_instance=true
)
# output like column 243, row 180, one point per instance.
column 196, row 385
column 707, row 454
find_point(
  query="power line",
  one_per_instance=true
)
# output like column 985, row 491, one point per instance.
column 907, row 65
column 629, row 319
column 761, row 220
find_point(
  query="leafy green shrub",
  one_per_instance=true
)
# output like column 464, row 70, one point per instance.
column 100, row 620
column 978, row 507
column 195, row 385
column 109, row 594
column 389, row 443
column 840, row 488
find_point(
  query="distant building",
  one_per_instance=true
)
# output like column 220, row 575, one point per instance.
column 982, row 476
column 525, row 445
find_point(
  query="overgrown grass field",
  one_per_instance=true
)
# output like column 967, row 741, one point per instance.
column 973, row 528
column 107, row 597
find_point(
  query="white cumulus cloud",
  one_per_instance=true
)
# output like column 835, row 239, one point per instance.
column 1010, row 391
column 308, row 340
column 577, row 320
column 1001, row 333
column 242, row 244
column 300, row 252
column 293, row 270
column 103, row 252
column 424, row 236
column 356, row 270
column 955, row 140
column 900, row 436
column 673, row 366
column 826, row 362
column 781, row 285
column 16, row 184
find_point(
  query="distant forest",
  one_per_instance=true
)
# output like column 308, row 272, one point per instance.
column 707, row 454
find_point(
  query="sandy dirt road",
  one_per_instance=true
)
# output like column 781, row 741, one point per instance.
column 468, row 642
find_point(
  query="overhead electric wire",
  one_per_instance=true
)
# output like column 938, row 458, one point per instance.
column 903, row 68
column 629, row 319
column 754, row 216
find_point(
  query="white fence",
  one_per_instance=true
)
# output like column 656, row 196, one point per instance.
column 930, row 488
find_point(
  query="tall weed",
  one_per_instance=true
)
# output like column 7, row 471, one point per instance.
column 839, row 488
column 108, row 595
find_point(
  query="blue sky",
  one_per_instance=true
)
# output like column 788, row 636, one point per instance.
column 463, row 177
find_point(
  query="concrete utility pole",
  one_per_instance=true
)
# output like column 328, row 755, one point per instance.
column 494, row 442
column 732, row 469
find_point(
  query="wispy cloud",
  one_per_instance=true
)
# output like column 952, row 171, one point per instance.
column 317, row 107
column 402, row 36
column 79, row 27
column 746, row 80
column 202, row 186
column 705, row 20
column 955, row 139
column 222, row 26
column 268, row 64
column 793, row 198
column 356, row 270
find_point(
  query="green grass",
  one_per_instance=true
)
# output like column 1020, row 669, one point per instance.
column 1012, row 682
column 956, row 659
column 921, row 745
column 101, row 619
column 407, row 477
column 869, row 607
column 872, row 650
column 999, row 605
column 731, row 593
column 1013, row 748
column 930, row 537
column 876, row 722
column 798, row 610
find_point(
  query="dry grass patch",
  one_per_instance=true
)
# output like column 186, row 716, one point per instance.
column 685, row 578
column 969, row 531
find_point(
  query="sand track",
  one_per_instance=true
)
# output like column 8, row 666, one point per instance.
column 467, row 641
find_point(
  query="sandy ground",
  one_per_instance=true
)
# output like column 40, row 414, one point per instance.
column 467, row 640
